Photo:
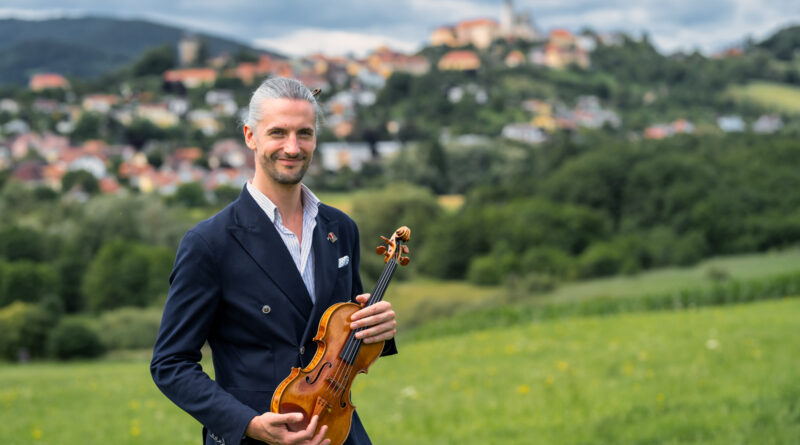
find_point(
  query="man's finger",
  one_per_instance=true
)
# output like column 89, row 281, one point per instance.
column 279, row 419
column 306, row 434
column 318, row 438
column 377, row 308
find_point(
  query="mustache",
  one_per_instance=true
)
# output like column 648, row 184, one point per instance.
column 281, row 155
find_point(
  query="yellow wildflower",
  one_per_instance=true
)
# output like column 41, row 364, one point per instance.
column 135, row 429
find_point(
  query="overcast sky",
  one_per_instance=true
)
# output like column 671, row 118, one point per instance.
column 356, row 26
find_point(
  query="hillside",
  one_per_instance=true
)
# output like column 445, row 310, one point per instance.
column 84, row 47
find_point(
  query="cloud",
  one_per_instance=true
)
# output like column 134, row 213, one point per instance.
column 354, row 25
column 35, row 14
column 312, row 40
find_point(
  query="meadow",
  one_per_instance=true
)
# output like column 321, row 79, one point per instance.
column 713, row 375
column 769, row 94
column 418, row 301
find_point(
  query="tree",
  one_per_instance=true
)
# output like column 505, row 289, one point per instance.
column 118, row 276
column 89, row 126
column 190, row 194
column 380, row 212
column 142, row 130
column 26, row 281
column 73, row 338
column 22, row 243
column 80, row 179
column 155, row 61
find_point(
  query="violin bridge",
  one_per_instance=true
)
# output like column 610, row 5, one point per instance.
column 322, row 404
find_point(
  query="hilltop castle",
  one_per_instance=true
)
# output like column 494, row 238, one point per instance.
column 482, row 32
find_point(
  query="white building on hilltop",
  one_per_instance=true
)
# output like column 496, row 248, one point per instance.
column 515, row 25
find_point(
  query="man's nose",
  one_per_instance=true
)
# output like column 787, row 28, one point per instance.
column 292, row 144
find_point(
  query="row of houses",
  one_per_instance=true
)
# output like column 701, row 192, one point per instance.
column 44, row 159
column 764, row 124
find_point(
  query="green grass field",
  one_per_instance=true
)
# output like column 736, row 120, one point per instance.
column 419, row 301
column 717, row 375
column 780, row 97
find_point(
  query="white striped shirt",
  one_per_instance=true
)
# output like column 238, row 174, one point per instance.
column 301, row 252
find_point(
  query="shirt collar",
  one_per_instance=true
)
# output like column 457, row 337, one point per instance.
column 310, row 202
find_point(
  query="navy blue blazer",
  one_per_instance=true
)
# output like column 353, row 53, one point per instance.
column 235, row 286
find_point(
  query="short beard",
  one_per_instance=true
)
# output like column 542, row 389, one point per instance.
column 268, row 165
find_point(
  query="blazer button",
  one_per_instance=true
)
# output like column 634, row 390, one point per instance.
column 266, row 309
column 302, row 350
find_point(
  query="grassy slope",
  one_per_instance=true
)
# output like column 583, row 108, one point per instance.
column 420, row 301
column 781, row 97
column 717, row 375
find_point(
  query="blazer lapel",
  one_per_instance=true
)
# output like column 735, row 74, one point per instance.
column 259, row 238
column 325, row 269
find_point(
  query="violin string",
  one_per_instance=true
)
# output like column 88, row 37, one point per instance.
column 352, row 344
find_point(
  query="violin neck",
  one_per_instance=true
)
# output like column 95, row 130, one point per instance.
column 383, row 281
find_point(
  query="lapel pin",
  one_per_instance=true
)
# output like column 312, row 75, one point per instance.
column 331, row 237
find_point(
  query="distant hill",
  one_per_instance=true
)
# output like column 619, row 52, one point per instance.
column 783, row 44
column 85, row 47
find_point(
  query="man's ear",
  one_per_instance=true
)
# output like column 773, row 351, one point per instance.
column 249, row 137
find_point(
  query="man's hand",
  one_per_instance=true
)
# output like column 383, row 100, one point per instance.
column 275, row 429
column 378, row 319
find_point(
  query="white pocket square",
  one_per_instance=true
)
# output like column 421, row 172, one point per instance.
column 344, row 261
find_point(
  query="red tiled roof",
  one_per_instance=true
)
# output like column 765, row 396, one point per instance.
column 477, row 22
column 48, row 80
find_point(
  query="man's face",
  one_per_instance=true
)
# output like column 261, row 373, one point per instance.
column 284, row 140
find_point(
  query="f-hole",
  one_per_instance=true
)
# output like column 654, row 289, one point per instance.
column 316, row 377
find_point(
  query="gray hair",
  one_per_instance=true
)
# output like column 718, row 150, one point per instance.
column 280, row 88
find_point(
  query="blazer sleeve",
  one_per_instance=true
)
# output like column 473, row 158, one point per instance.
column 188, row 317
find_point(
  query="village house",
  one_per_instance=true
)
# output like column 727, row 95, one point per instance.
column 47, row 81
column 337, row 155
column 526, row 133
column 205, row 121
column 385, row 61
column 731, row 123
column 562, row 50
column 9, row 106
column 768, row 124
column 230, row 153
column 479, row 32
column 443, row 36
column 191, row 77
column 459, row 60
column 514, row 58
column 99, row 103
column 157, row 113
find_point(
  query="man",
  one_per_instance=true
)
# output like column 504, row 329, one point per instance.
column 254, row 280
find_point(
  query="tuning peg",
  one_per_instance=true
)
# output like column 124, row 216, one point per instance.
column 380, row 250
column 404, row 260
column 405, row 248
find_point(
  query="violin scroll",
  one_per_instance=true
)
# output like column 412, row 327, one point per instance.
column 394, row 246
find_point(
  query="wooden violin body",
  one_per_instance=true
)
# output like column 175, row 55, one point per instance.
column 323, row 387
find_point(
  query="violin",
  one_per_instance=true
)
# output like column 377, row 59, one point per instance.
column 323, row 387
